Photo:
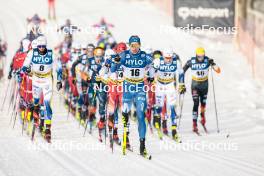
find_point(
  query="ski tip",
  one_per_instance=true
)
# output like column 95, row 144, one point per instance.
column 148, row 157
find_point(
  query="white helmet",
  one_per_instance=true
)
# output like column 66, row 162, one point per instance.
column 109, row 53
column 25, row 45
column 168, row 53
column 41, row 40
column 34, row 44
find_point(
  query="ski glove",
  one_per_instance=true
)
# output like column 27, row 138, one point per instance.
column 150, row 80
column 108, row 63
column 117, row 59
column 211, row 62
column 73, row 81
column 182, row 88
column 9, row 75
column 59, row 85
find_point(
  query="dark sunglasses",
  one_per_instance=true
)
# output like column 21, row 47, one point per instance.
column 41, row 46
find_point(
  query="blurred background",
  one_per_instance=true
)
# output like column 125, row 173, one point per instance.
column 246, row 15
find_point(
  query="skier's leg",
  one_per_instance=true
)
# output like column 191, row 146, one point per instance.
column 102, row 96
column 47, row 93
column 111, row 106
column 195, row 97
column 141, row 105
column 36, row 96
column 159, row 96
column 126, row 109
column 171, row 104
column 92, row 103
column 203, row 98
column 80, row 99
column 140, row 109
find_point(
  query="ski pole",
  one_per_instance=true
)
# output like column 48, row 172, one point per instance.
column 16, row 104
column 5, row 94
column 12, row 94
column 69, row 106
column 14, row 111
column 15, row 95
column 216, row 115
column 106, row 116
column 86, row 125
column 181, row 107
column 26, row 109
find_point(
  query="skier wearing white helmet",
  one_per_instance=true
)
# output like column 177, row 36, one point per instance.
column 39, row 61
column 166, row 69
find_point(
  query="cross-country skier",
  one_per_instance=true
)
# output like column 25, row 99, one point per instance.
column 200, row 65
column 51, row 9
column 78, row 68
column 167, row 67
column 114, row 95
column 96, row 90
column 40, row 62
column 135, row 64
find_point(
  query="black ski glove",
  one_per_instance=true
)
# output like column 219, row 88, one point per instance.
column 59, row 85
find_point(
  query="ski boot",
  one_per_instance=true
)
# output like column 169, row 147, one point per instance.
column 41, row 126
column 195, row 128
column 175, row 134
column 36, row 119
column 164, row 127
column 47, row 135
column 128, row 146
column 115, row 136
column 142, row 149
column 157, row 125
column 203, row 120
column 78, row 114
column 101, row 127
column 92, row 122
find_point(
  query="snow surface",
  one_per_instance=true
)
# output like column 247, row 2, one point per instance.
column 239, row 101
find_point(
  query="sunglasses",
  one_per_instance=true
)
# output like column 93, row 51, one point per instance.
column 41, row 46
column 200, row 57
column 135, row 45
column 157, row 56
column 90, row 49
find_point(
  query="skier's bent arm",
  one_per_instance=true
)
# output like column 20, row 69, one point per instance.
column 150, row 67
column 73, row 71
column 180, row 72
column 215, row 67
column 27, row 61
column 59, row 71
column 187, row 65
